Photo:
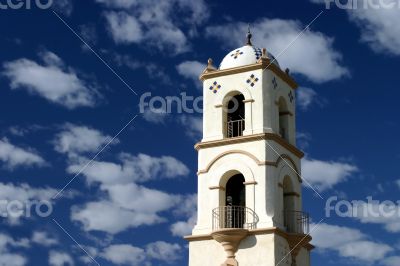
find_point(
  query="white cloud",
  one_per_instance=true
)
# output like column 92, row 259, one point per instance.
column 324, row 175
column 384, row 213
column 380, row 27
column 155, row 116
column 188, row 209
column 124, row 255
column 44, row 239
column 349, row 243
column 191, row 70
column 129, row 206
column 13, row 156
column 311, row 55
column 391, row 261
column 164, row 251
column 141, row 199
column 139, row 168
column 64, row 6
column 75, row 140
column 193, row 126
column 305, row 97
column 124, row 28
column 26, row 194
column 57, row 258
column 9, row 258
column 155, row 23
column 52, row 81
column 303, row 139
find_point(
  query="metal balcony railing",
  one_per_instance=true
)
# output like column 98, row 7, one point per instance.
column 296, row 222
column 235, row 128
column 225, row 217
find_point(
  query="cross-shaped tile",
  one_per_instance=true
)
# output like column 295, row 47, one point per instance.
column 274, row 83
column 291, row 97
column 236, row 54
column 252, row 80
column 215, row 87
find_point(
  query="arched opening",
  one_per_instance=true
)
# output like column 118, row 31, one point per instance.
column 289, row 204
column 235, row 116
column 235, row 202
column 283, row 119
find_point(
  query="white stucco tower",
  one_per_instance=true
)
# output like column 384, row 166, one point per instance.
column 249, row 184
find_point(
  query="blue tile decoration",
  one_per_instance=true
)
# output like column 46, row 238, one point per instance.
column 215, row 87
column 257, row 52
column 252, row 80
column 274, row 83
column 291, row 97
column 236, row 54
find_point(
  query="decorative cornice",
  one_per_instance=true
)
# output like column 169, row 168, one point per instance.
column 263, row 64
column 254, row 137
column 304, row 239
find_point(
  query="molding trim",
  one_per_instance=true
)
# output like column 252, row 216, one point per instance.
column 263, row 231
column 264, row 64
column 258, row 162
column 290, row 194
column 285, row 113
column 254, row 137
column 250, row 183
column 248, row 101
column 217, row 187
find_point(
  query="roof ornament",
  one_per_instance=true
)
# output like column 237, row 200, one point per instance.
column 249, row 35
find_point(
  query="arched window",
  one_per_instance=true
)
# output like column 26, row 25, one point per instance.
column 235, row 116
column 283, row 119
column 235, row 200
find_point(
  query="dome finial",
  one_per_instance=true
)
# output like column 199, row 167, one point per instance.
column 249, row 35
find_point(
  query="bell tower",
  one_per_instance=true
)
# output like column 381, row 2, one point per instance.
column 249, row 184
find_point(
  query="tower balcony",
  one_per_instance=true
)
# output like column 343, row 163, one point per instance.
column 296, row 222
column 235, row 128
column 234, row 217
column 231, row 225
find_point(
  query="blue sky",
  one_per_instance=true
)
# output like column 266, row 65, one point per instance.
column 64, row 103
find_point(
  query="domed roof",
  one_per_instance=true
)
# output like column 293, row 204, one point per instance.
column 243, row 56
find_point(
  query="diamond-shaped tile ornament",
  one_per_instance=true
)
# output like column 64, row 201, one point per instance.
column 215, row 87
column 252, row 80
column 291, row 97
column 236, row 54
column 274, row 83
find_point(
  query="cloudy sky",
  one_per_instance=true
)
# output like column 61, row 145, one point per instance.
column 122, row 183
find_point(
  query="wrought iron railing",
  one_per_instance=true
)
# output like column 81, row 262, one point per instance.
column 233, row 217
column 296, row 222
column 235, row 128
